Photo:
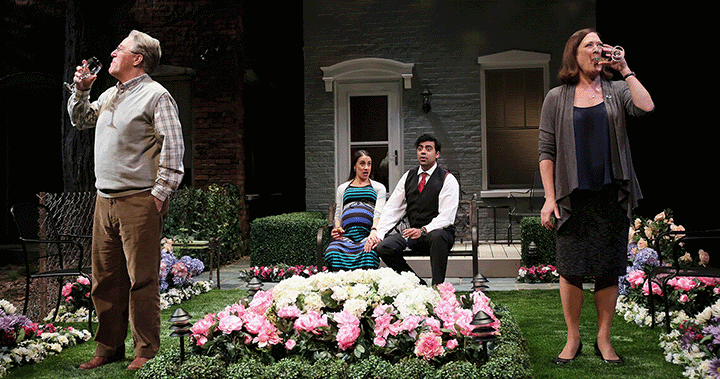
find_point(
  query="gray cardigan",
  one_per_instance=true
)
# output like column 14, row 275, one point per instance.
column 557, row 143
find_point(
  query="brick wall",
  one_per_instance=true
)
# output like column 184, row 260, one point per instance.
column 207, row 37
column 443, row 39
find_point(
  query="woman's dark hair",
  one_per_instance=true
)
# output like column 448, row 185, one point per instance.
column 570, row 70
column 357, row 155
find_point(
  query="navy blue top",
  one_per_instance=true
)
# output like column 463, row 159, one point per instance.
column 592, row 147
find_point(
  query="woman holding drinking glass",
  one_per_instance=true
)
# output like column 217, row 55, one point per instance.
column 589, row 180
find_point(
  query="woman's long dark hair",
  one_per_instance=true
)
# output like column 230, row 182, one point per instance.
column 570, row 70
column 356, row 155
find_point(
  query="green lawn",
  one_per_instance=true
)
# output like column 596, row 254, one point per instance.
column 537, row 311
column 539, row 314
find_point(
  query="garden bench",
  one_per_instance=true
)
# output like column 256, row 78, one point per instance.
column 465, row 230
column 662, row 274
column 212, row 247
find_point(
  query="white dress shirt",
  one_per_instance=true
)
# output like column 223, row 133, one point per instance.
column 394, row 209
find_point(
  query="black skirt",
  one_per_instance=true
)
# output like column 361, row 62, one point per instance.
column 593, row 241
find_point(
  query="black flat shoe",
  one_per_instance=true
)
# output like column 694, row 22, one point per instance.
column 618, row 361
column 562, row 361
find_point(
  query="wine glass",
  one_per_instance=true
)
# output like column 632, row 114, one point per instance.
column 93, row 66
column 615, row 54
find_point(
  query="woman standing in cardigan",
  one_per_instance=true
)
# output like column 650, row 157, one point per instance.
column 358, row 203
column 589, row 180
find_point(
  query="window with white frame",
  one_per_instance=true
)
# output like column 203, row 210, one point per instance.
column 514, row 84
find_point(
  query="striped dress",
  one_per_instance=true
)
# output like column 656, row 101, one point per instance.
column 358, row 204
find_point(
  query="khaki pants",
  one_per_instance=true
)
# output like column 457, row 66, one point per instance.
column 125, row 267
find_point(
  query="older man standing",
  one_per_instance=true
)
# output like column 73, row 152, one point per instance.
column 138, row 163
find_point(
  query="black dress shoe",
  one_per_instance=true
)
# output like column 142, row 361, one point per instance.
column 562, row 361
column 618, row 361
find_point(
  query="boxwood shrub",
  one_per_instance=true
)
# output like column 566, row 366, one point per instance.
column 197, row 214
column 289, row 238
column 532, row 230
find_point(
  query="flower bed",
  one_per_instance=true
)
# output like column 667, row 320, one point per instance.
column 694, row 340
column 23, row 341
column 279, row 272
column 357, row 324
column 538, row 274
column 177, row 284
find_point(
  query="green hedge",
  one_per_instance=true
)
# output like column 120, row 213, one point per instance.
column 532, row 230
column 288, row 238
column 197, row 214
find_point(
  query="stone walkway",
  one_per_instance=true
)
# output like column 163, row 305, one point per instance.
column 229, row 279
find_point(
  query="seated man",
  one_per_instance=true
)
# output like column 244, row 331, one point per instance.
column 421, row 210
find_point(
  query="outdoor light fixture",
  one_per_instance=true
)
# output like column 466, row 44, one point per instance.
column 181, row 328
column 254, row 285
column 484, row 332
column 532, row 249
column 426, row 100
column 478, row 282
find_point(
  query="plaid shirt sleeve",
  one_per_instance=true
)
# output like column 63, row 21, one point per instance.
column 168, row 127
column 83, row 114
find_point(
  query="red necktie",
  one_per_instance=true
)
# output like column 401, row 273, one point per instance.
column 421, row 185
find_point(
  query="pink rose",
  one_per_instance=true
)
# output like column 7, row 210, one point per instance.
column 83, row 280
column 684, row 298
column 453, row 343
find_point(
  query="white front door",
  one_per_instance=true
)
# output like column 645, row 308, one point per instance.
column 368, row 118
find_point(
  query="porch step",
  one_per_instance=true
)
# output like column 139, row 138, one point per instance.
column 494, row 261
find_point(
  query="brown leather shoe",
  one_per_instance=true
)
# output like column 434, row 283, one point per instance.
column 137, row 363
column 102, row 361
column 94, row 363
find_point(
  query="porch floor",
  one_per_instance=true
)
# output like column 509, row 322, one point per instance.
column 495, row 260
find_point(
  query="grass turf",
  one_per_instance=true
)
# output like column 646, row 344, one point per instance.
column 539, row 314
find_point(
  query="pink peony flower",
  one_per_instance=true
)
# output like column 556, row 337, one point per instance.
column 201, row 328
column 429, row 345
column 290, row 311
column 67, row 289
column 289, row 344
column 636, row 278
column 346, row 335
column 310, row 322
column 229, row 324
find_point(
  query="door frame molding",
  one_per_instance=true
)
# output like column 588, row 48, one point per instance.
column 367, row 77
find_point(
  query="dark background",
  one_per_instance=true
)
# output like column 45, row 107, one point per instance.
column 674, row 149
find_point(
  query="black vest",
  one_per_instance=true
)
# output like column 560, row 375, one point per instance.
column 423, row 207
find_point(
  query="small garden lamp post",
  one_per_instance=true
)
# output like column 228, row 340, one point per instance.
column 478, row 282
column 484, row 332
column 254, row 285
column 181, row 328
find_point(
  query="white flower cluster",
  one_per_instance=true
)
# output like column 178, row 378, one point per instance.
column 178, row 295
column 358, row 290
column 7, row 307
column 35, row 350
